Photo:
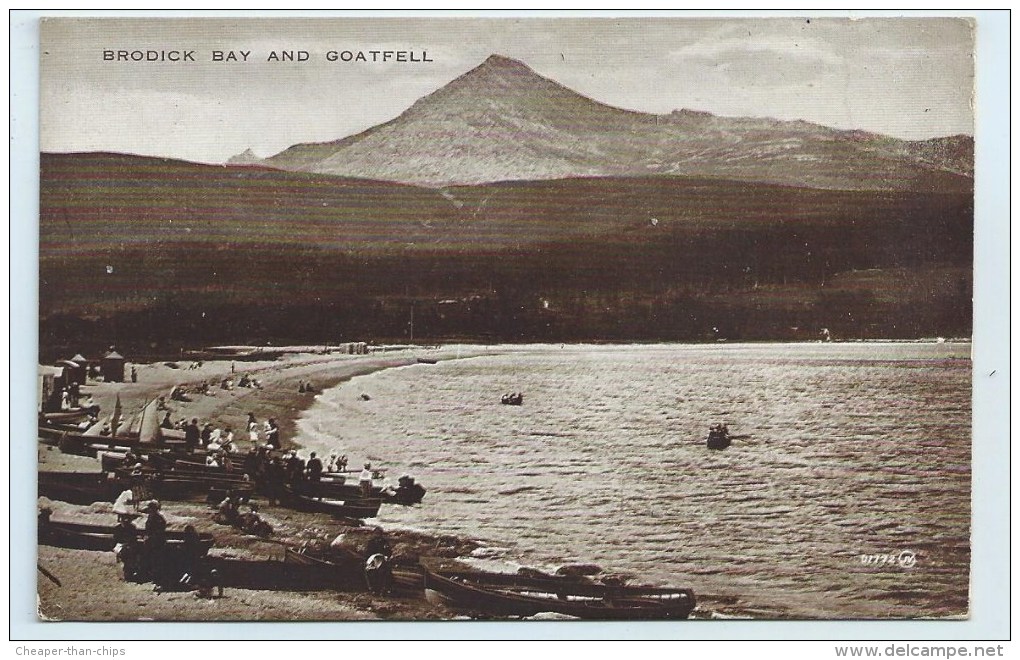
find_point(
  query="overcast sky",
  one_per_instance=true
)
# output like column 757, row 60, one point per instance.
column 909, row 78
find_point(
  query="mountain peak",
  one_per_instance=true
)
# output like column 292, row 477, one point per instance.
column 499, row 68
column 501, row 61
column 504, row 121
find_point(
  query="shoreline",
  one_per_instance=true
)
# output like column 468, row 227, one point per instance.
column 86, row 575
column 277, row 398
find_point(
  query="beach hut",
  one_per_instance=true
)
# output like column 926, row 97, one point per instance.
column 113, row 367
column 51, row 381
column 83, row 365
column 73, row 372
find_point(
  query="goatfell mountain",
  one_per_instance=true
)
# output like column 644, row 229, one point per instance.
column 502, row 121
column 506, row 207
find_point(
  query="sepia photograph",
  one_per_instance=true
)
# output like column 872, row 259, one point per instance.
column 510, row 318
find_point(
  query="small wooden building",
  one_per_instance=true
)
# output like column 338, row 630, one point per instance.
column 83, row 366
column 51, row 382
column 113, row 367
column 74, row 372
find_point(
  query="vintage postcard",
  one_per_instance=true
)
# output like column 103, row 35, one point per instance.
column 500, row 318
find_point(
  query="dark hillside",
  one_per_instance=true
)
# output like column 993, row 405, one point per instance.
column 151, row 250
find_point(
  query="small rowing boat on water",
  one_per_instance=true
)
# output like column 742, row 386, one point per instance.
column 718, row 437
column 513, row 399
column 427, row 360
column 511, row 595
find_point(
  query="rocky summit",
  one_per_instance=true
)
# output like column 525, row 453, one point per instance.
column 503, row 121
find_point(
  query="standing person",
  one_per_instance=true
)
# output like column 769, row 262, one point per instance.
column 251, row 462
column 155, row 541
column 215, row 438
column 125, row 538
column 190, row 569
column 253, row 429
column 134, row 375
column 192, row 434
column 365, row 480
column 378, row 573
column 276, row 477
column 206, row 432
column 314, row 471
column 272, row 433
column 295, row 469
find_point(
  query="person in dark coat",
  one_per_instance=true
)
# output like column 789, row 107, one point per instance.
column 295, row 469
column 378, row 574
column 314, row 473
column 125, row 536
column 192, row 434
column 191, row 569
column 276, row 478
column 378, row 545
column 155, row 542
column 272, row 433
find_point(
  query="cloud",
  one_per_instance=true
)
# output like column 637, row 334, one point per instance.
column 749, row 56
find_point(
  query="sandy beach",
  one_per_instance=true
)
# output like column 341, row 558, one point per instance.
column 91, row 587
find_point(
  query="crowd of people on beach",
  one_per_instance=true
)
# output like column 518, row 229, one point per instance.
column 183, row 393
column 146, row 554
column 261, row 462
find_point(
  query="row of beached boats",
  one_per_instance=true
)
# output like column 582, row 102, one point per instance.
column 162, row 468
column 477, row 593
column 210, row 484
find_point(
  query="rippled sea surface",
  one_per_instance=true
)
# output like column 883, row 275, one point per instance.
column 841, row 451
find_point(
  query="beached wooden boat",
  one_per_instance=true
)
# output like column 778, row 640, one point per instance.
column 350, row 508
column 348, row 568
column 141, row 431
column 181, row 485
column 67, row 417
column 79, row 487
column 511, row 595
column 335, row 486
column 83, row 536
column 268, row 575
column 344, row 568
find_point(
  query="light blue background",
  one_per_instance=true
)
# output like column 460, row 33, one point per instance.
column 989, row 618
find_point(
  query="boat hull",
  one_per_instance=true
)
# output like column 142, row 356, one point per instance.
column 504, row 595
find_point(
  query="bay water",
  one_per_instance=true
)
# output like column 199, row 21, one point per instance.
column 845, row 494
